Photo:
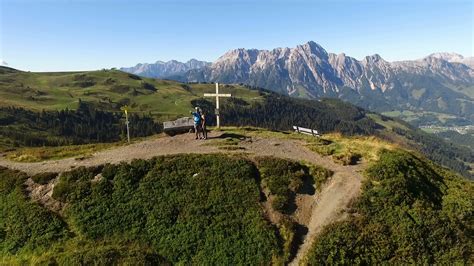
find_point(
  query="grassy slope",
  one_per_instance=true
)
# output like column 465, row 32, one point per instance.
column 108, row 89
column 410, row 116
column 467, row 90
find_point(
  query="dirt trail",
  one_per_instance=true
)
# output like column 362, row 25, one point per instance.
column 317, row 210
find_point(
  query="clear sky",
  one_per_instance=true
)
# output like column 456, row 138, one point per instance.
column 51, row 35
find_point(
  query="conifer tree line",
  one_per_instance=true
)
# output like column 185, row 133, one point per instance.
column 278, row 112
column 330, row 115
column 86, row 124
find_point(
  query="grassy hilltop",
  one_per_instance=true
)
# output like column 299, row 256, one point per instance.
column 107, row 90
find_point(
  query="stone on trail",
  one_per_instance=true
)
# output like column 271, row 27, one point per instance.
column 181, row 125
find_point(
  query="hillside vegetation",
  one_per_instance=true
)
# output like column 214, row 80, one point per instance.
column 201, row 209
column 107, row 90
column 410, row 212
column 52, row 109
column 20, row 127
column 207, row 209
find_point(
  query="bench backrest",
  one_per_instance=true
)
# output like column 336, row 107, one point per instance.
column 304, row 130
column 179, row 123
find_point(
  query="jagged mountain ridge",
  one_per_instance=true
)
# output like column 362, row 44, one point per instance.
column 455, row 58
column 161, row 69
column 434, row 83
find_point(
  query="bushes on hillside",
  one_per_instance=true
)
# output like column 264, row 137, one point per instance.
column 285, row 178
column 75, row 185
column 104, row 254
column 410, row 212
column 440, row 151
column 200, row 209
column 43, row 178
column 24, row 225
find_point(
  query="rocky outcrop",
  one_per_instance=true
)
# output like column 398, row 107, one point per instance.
column 162, row 69
column 309, row 71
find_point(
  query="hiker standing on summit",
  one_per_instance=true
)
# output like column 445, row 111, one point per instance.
column 197, row 122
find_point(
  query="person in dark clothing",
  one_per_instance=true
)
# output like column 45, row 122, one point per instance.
column 203, row 125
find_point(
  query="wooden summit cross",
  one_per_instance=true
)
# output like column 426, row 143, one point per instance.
column 217, row 95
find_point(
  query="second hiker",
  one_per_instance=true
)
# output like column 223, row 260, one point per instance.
column 203, row 125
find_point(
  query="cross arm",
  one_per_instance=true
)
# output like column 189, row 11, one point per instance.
column 215, row 95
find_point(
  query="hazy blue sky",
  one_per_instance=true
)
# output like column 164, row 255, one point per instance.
column 46, row 35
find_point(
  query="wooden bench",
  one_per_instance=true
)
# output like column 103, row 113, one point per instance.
column 308, row 131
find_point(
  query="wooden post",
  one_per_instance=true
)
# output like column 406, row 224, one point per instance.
column 128, row 128
column 218, row 115
column 125, row 109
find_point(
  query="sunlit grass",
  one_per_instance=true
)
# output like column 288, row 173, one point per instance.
column 38, row 154
column 347, row 150
column 56, row 91
column 343, row 149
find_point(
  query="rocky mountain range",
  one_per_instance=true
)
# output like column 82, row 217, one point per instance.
column 162, row 69
column 454, row 58
column 439, row 83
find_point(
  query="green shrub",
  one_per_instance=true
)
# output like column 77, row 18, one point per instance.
column 24, row 225
column 280, row 202
column 320, row 175
column 410, row 212
column 199, row 209
column 284, row 178
column 108, row 172
column 44, row 178
column 74, row 185
column 104, row 255
column 347, row 158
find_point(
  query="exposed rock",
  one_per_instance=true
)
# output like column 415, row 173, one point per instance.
column 43, row 194
column 162, row 69
column 309, row 71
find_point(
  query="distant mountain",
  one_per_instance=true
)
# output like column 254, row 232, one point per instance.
column 441, row 83
column 455, row 58
column 162, row 69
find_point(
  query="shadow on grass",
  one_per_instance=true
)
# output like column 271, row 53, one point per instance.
column 300, row 233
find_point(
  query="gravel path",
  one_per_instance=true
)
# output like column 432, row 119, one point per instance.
column 316, row 210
